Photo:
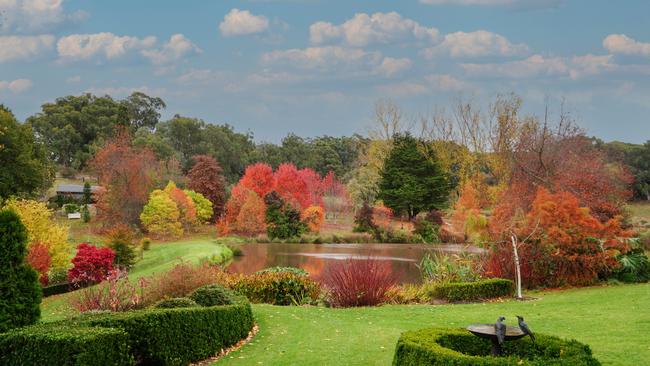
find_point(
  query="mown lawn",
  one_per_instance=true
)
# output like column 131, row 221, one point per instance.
column 614, row 321
column 161, row 257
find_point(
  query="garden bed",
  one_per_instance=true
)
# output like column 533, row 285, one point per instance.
column 453, row 346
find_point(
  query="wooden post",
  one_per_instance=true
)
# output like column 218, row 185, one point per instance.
column 517, row 267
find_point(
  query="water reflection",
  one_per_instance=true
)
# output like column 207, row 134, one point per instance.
column 314, row 257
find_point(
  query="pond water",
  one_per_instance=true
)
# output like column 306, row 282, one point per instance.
column 314, row 258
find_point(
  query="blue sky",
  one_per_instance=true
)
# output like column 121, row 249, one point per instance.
column 317, row 67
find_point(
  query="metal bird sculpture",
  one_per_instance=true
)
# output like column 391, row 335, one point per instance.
column 524, row 328
column 500, row 330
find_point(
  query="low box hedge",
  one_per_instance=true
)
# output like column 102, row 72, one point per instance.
column 176, row 336
column 65, row 345
column 471, row 291
column 458, row 347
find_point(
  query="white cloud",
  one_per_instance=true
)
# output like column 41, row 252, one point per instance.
column 241, row 22
column 475, row 44
column 23, row 47
column 321, row 57
column 364, row 29
column 521, row 4
column 34, row 16
column 445, row 82
column 16, row 86
column 177, row 47
column 620, row 43
column 537, row 65
column 404, row 89
column 107, row 45
column 432, row 83
column 391, row 66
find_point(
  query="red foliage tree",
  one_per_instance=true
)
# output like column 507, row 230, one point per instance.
column 127, row 175
column 314, row 186
column 290, row 186
column 258, row 178
column 39, row 258
column 566, row 246
column 91, row 264
column 206, row 177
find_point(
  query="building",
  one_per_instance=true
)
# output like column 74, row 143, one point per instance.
column 74, row 191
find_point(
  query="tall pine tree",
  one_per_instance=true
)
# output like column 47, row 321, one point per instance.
column 412, row 180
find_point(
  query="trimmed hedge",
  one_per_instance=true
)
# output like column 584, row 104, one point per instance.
column 471, row 291
column 458, row 347
column 176, row 336
column 64, row 345
column 212, row 295
column 176, row 302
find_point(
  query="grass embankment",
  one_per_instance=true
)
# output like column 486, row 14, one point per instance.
column 612, row 320
column 160, row 258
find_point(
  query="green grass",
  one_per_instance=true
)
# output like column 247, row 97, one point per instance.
column 614, row 321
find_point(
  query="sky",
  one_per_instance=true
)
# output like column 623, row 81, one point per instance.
column 316, row 67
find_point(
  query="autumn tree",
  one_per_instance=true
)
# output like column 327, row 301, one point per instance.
column 251, row 217
column 314, row 186
column 410, row 181
column 313, row 217
column 43, row 230
column 258, row 178
column 161, row 216
column 39, row 258
column 185, row 205
column 290, row 186
column 127, row 175
column 336, row 199
column 206, row 178
column 203, row 206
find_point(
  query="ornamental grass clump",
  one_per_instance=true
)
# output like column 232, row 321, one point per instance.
column 364, row 282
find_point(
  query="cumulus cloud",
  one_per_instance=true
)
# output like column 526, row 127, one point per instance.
column 103, row 45
column 538, row 65
column 321, row 57
column 23, row 47
column 16, row 86
column 34, row 16
column 391, row 66
column 176, row 48
column 364, row 29
column 475, row 44
column 622, row 44
column 242, row 22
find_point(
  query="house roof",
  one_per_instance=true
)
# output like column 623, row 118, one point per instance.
column 73, row 188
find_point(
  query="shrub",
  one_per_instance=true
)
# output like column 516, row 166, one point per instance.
column 294, row 270
column 634, row 266
column 149, row 337
column 471, row 291
column 212, row 295
column 443, row 268
column 282, row 220
column 20, row 293
column 278, row 288
column 120, row 240
column 427, row 230
column 117, row 293
column 91, row 264
column 362, row 282
column 441, row 346
column 39, row 258
column 71, row 208
column 363, row 219
column 57, row 276
column 85, row 214
column 313, row 217
column 65, row 345
column 145, row 243
column 176, row 302
column 180, row 281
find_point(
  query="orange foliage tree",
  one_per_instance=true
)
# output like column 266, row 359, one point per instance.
column 127, row 175
column 567, row 245
column 38, row 257
column 382, row 216
column 251, row 217
column 258, row 178
column 184, row 203
column 313, row 217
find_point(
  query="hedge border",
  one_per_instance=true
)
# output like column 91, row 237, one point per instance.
column 176, row 336
column 472, row 291
column 435, row 346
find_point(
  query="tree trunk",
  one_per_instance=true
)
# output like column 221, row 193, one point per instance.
column 517, row 267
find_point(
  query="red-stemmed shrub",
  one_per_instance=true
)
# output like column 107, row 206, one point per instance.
column 39, row 258
column 364, row 282
column 116, row 293
column 91, row 264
